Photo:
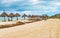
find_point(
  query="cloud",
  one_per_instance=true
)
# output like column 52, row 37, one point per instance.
column 27, row 12
column 8, row 12
column 34, row 1
column 34, row 12
column 30, row 6
column 56, row 3
column 9, row 2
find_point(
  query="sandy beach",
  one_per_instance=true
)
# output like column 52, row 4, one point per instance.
column 41, row 29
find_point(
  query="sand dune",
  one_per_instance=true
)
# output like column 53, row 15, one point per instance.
column 42, row 29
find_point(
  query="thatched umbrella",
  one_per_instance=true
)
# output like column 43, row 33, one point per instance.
column 8, row 18
column 4, row 14
column 11, row 15
column 17, row 15
column 29, row 16
column 33, row 16
column 24, row 15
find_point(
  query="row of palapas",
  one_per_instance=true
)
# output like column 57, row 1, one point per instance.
column 11, row 15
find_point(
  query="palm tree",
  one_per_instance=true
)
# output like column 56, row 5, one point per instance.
column 45, row 16
column 24, row 15
column 4, row 14
column 11, row 15
column 17, row 15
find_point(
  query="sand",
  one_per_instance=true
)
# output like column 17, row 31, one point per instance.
column 4, row 23
column 41, row 29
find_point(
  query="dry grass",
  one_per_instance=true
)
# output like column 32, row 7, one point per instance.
column 18, row 23
column 11, row 25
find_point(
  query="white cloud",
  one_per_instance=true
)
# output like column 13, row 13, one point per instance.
column 34, row 12
column 34, row 1
column 55, row 3
column 35, row 5
column 8, row 12
column 1, row 12
column 9, row 2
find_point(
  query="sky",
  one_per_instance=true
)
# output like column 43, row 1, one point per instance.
column 35, row 7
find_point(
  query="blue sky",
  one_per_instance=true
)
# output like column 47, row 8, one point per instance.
column 36, row 7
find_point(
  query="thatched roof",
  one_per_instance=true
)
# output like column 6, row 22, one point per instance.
column 4, row 14
column 11, row 15
column 24, row 15
column 33, row 16
column 29, row 15
column 17, row 14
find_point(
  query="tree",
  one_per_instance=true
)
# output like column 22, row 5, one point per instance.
column 55, row 16
column 45, row 16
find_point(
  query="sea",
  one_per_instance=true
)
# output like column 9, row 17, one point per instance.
column 6, row 18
